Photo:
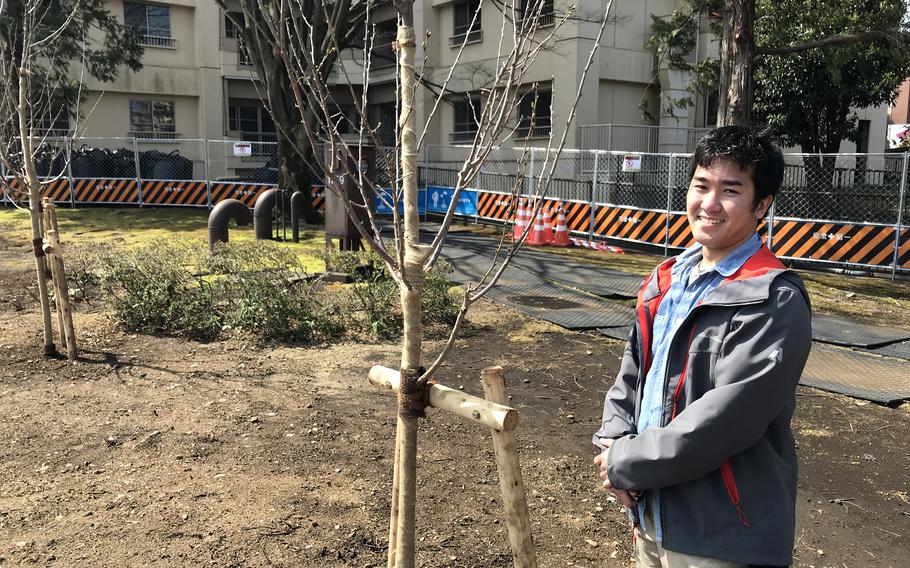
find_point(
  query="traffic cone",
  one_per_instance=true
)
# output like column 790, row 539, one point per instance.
column 521, row 221
column 561, row 236
column 536, row 237
column 547, row 226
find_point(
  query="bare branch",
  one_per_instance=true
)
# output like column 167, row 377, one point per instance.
column 840, row 39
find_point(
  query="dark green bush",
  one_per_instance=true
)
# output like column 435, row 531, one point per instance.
column 152, row 288
column 261, row 290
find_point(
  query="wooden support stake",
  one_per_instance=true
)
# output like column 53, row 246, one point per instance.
column 513, row 490
column 61, row 287
column 48, row 252
column 486, row 412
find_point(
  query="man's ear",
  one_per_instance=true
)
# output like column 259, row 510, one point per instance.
column 763, row 205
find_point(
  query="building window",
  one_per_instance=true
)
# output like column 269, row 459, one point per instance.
column 249, row 117
column 243, row 54
column 153, row 23
column 230, row 28
column 56, row 125
column 382, row 54
column 862, row 136
column 528, row 8
column 152, row 119
column 466, row 111
column 464, row 12
column 534, row 113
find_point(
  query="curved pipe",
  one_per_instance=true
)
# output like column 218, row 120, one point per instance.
column 220, row 216
column 296, row 207
column 262, row 214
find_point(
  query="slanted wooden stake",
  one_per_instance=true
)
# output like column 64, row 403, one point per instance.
column 493, row 413
column 48, row 251
column 513, row 489
column 61, row 289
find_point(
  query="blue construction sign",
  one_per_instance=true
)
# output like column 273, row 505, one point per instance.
column 439, row 199
column 384, row 201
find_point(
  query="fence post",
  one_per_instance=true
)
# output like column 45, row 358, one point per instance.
column 770, row 233
column 593, row 196
column 138, row 171
column 669, row 205
column 531, row 186
column 68, row 146
column 208, row 173
column 900, row 216
column 426, row 172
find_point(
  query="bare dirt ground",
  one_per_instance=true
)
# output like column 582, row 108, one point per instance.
column 164, row 452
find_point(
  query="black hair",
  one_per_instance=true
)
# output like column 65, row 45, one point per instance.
column 751, row 150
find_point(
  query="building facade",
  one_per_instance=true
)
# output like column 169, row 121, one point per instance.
column 196, row 82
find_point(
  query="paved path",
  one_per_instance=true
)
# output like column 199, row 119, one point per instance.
column 860, row 360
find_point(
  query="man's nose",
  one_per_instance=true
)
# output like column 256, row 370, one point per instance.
column 710, row 201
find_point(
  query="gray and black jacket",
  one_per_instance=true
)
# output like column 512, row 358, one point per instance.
column 724, row 459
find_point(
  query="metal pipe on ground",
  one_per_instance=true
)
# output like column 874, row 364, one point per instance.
column 263, row 214
column 220, row 216
column 296, row 207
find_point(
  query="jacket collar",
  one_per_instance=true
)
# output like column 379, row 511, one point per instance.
column 751, row 283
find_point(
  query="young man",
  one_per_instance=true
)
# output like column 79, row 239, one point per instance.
column 695, row 437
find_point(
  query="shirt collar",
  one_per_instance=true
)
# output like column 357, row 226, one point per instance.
column 727, row 266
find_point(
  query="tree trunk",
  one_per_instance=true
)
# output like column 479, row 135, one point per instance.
column 737, row 50
column 294, row 174
column 415, row 255
column 34, row 206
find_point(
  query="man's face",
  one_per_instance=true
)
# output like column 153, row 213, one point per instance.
column 720, row 207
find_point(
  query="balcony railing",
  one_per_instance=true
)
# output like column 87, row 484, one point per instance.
column 154, row 135
column 475, row 36
column 461, row 137
column 157, row 41
column 535, row 132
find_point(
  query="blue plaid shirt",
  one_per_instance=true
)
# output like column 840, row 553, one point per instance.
column 687, row 288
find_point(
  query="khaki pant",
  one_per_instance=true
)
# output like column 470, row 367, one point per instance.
column 650, row 554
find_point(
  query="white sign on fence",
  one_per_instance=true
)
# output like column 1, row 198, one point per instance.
column 631, row 163
column 243, row 149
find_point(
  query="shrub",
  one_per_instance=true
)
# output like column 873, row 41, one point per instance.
column 152, row 289
column 438, row 305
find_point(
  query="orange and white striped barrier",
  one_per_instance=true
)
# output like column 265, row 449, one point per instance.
column 561, row 236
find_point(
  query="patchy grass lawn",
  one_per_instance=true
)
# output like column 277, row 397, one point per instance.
column 877, row 300
column 135, row 226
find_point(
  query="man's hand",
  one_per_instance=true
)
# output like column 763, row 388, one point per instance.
column 627, row 498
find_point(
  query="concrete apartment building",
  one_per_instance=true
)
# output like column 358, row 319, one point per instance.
column 195, row 83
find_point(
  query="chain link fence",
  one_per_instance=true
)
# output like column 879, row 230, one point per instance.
column 846, row 188
column 858, row 202
column 242, row 161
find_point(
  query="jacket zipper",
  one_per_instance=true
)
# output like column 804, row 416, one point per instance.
column 682, row 378
column 726, row 471
column 726, row 468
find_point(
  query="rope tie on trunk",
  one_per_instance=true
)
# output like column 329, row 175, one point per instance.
column 413, row 397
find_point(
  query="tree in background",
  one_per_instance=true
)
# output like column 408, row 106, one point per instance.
column 66, row 39
column 43, row 45
column 809, row 96
column 335, row 27
column 800, row 65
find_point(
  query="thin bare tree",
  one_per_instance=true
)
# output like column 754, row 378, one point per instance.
column 27, row 104
column 45, row 48
column 522, row 37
